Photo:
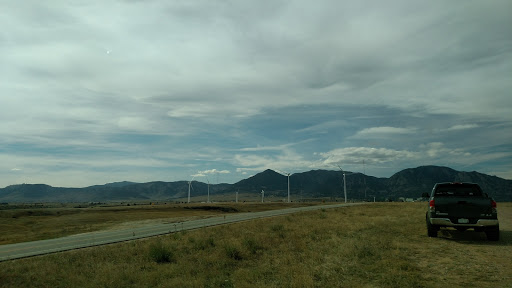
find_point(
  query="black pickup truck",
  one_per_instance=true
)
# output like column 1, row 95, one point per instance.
column 462, row 206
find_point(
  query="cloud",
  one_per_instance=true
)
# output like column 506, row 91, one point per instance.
column 205, row 173
column 135, row 124
column 356, row 155
column 214, row 171
column 437, row 149
column 265, row 148
column 197, row 84
column 324, row 127
column 434, row 153
column 199, row 110
column 377, row 132
column 287, row 160
column 462, row 127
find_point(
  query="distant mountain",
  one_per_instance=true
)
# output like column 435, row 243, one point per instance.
column 119, row 184
column 267, row 180
column 415, row 181
column 408, row 183
column 328, row 183
column 120, row 192
column 41, row 193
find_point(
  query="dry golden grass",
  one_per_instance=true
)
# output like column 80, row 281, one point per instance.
column 29, row 224
column 376, row 245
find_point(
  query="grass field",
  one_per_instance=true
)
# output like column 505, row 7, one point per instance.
column 27, row 223
column 376, row 245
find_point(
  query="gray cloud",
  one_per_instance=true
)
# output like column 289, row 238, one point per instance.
column 385, row 131
column 204, row 79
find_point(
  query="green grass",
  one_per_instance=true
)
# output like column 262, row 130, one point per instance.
column 376, row 245
column 161, row 253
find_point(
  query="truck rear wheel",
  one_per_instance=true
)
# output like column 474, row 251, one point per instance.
column 431, row 229
column 493, row 234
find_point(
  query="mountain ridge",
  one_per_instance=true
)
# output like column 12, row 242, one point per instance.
column 407, row 183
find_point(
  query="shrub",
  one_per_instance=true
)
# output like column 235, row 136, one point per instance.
column 233, row 252
column 203, row 244
column 161, row 254
column 210, row 242
column 219, row 282
column 251, row 245
column 279, row 229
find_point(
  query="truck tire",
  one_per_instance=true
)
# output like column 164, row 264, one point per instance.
column 493, row 234
column 431, row 229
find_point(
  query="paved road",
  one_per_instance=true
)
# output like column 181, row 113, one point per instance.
column 28, row 249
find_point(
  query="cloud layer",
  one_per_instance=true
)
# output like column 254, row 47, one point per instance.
column 157, row 90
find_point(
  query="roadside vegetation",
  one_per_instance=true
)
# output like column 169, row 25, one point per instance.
column 25, row 223
column 375, row 245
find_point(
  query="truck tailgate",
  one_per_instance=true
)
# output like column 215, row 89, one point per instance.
column 467, row 207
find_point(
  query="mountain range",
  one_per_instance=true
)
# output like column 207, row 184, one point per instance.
column 408, row 183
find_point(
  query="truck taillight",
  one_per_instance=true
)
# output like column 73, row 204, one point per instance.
column 494, row 206
column 432, row 205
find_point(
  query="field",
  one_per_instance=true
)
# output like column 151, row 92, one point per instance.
column 34, row 222
column 375, row 245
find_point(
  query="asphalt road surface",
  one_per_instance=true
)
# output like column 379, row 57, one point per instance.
column 34, row 248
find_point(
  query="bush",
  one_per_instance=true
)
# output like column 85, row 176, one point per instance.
column 161, row 254
column 204, row 243
column 279, row 229
column 233, row 252
column 219, row 282
column 251, row 245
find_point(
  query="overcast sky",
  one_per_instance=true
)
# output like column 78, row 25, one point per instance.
column 93, row 92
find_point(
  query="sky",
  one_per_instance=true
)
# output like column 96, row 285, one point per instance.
column 93, row 92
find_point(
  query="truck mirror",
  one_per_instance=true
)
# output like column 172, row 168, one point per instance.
column 425, row 195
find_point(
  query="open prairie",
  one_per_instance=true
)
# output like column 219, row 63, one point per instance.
column 29, row 222
column 377, row 245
